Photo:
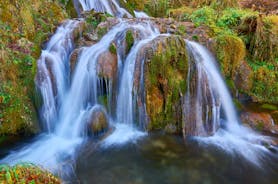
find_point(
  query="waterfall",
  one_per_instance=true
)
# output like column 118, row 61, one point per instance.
column 125, row 105
column 72, row 102
column 70, row 98
column 106, row 6
column 52, row 77
column 201, row 105
column 231, row 137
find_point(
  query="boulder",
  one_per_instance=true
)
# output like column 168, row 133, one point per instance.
column 244, row 77
column 165, row 72
column 98, row 122
column 73, row 59
column 260, row 122
column 107, row 65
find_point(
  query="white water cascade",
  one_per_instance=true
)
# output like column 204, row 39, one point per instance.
column 106, row 6
column 139, row 14
column 69, row 99
column 231, row 137
column 76, row 99
column 53, row 72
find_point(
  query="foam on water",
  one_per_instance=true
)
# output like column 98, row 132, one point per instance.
column 123, row 133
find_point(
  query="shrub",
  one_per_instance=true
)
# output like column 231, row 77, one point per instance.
column 26, row 173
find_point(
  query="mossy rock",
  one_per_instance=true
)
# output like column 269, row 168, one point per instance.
column 165, row 80
column 129, row 40
column 98, row 123
column 26, row 173
column 274, row 116
column 230, row 52
column 265, row 87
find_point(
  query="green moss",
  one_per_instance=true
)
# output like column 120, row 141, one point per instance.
column 269, row 107
column 69, row 6
column 26, row 173
column 131, row 5
column 220, row 22
column 103, row 100
column 265, row 87
column 101, row 31
column 230, row 83
column 260, row 126
column 181, row 30
column 93, row 19
column 195, row 38
column 113, row 48
column 26, row 27
column 2, row 139
column 129, row 40
column 230, row 51
column 165, row 82
column 238, row 105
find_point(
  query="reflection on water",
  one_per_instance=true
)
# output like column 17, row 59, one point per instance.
column 166, row 159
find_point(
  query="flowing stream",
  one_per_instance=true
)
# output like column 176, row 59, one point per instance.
column 71, row 98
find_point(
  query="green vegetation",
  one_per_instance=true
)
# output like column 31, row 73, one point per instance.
column 244, row 41
column 269, row 107
column 165, row 82
column 129, row 40
column 229, row 61
column 24, row 26
column 241, row 35
column 26, row 173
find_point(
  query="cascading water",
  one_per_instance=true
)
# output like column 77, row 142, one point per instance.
column 233, row 137
column 53, row 72
column 77, row 99
column 106, row 6
column 70, row 98
column 125, row 108
column 201, row 105
column 140, row 14
column 53, row 81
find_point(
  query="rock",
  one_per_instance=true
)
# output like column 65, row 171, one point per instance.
column 274, row 116
column 172, row 31
column 77, row 32
column 173, row 26
column 260, row 122
column 244, row 77
column 90, row 37
column 165, row 72
column 171, row 129
column 107, row 65
column 98, row 122
column 84, row 42
column 73, row 59
column 229, row 61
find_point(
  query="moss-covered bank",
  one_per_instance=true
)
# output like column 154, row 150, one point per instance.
column 26, row 173
column 24, row 26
